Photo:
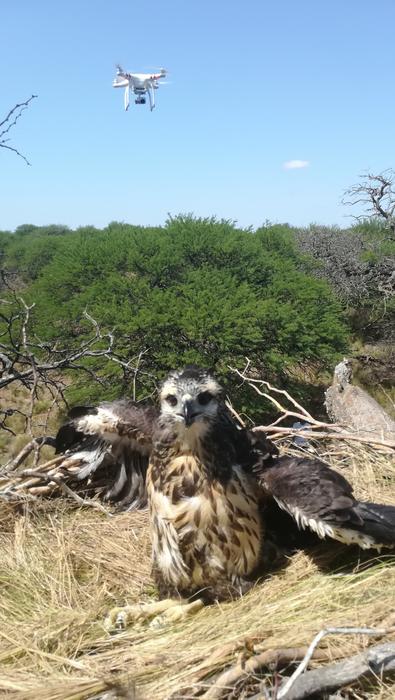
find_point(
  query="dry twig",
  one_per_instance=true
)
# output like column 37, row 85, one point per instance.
column 283, row 692
column 28, row 449
column 272, row 658
column 376, row 194
column 9, row 121
column 41, row 367
column 317, row 429
column 66, row 489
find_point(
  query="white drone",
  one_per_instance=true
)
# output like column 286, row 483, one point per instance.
column 141, row 84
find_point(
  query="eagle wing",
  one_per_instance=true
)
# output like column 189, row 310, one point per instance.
column 108, row 448
column 321, row 500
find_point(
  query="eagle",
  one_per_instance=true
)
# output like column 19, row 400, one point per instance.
column 222, row 500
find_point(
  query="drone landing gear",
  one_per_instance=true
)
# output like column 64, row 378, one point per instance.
column 150, row 92
column 127, row 98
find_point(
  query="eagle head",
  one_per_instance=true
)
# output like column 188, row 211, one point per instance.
column 190, row 395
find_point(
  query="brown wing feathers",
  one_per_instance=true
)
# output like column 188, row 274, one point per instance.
column 109, row 445
column 113, row 441
column 322, row 500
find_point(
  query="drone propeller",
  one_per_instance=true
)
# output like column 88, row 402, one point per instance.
column 156, row 69
column 121, row 71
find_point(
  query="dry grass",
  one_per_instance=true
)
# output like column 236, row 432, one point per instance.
column 61, row 568
column 45, row 419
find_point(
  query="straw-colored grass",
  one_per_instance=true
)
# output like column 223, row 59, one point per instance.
column 62, row 568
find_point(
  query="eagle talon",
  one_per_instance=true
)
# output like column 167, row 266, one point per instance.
column 176, row 613
column 118, row 618
column 120, row 622
column 158, row 622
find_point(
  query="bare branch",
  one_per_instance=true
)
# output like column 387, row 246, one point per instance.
column 284, row 690
column 315, row 430
column 377, row 194
column 10, row 120
column 52, row 478
column 301, row 413
column 332, row 433
column 18, row 109
column 271, row 658
column 233, row 411
column 28, row 449
column 375, row 663
column 27, row 361
column 41, row 366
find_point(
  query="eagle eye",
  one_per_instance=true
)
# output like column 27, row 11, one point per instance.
column 171, row 399
column 204, row 398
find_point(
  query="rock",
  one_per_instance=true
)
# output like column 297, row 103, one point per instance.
column 355, row 408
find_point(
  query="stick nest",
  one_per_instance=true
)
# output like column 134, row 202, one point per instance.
column 63, row 565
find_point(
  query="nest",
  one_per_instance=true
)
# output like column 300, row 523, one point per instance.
column 63, row 565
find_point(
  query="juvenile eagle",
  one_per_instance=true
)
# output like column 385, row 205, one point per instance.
column 215, row 490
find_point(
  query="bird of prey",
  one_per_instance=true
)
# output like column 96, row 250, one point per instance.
column 216, row 491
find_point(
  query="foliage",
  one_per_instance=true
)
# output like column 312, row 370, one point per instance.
column 195, row 290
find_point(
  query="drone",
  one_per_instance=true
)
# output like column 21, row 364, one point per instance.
column 141, row 84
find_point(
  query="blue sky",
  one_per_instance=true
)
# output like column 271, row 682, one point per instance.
column 254, row 84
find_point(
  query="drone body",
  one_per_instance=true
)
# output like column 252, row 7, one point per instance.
column 141, row 84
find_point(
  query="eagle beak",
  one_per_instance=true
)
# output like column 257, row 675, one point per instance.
column 189, row 415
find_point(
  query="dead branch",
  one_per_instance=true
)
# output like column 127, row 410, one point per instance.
column 273, row 659
column 9, row 122
column 300, row 414
column 12, row 485
column 28, row 449
column 377, row 195
column 233, row 411
column 276, row 659
column 276, row 433
column 130, row 368
column 316, row 430
column 41, row 368
column 39, row 365
column 44, row 479
column 27, row 359
column 66, row 489
column 284, row 691
column 374, row 663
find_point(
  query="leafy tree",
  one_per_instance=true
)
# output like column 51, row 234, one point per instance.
column 28, row 250
column 195, row 290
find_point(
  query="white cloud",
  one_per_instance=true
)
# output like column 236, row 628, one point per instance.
column 295, row 164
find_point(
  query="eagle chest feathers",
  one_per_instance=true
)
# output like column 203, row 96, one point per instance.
column 204, row 528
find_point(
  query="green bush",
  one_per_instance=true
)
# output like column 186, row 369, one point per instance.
column 195, row 290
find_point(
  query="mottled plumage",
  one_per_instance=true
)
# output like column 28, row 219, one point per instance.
column 112, row 440
column 322, row 500
column 216, row 491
